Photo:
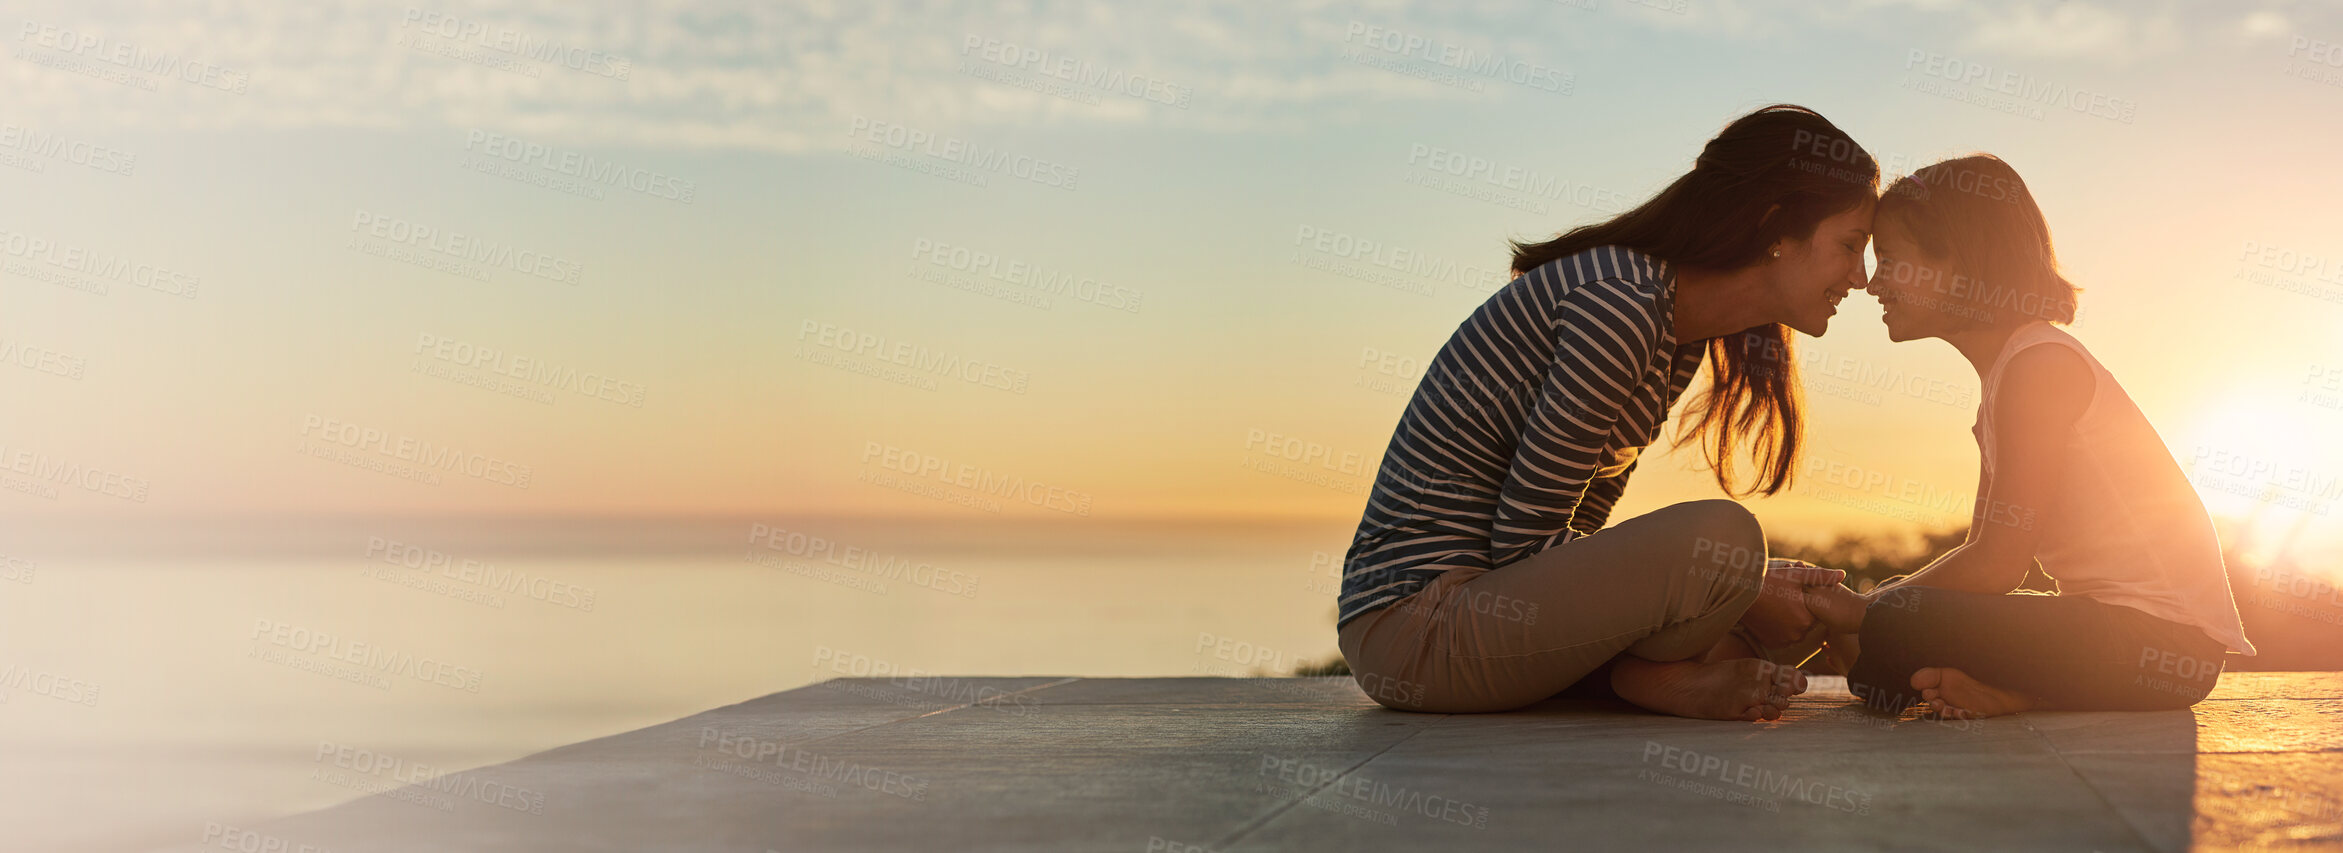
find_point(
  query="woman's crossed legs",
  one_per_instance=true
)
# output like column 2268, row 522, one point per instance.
column 1657, row 593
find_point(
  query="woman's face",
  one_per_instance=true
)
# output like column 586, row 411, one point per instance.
column 1914, row 289
column 1813, row 274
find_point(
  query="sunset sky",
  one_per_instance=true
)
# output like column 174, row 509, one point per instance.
column 875, row 258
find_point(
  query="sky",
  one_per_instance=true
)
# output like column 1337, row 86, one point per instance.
column 1057, row 261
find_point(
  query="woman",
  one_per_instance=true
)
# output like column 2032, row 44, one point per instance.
column 2071, row 475
column 1482, row 578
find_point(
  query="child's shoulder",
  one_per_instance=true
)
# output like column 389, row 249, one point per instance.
column 2045, row 371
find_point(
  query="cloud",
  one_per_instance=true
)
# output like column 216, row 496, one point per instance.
column 793, row 77
column 2073, row 30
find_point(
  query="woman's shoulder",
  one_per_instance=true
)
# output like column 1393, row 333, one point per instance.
column 1601, row 264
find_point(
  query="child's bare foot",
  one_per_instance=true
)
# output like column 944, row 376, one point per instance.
column 1743, row 689
column 1952, row 693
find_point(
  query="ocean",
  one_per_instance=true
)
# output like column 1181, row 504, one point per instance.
column 156, row 678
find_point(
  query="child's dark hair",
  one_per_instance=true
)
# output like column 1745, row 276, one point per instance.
column 1976, row 214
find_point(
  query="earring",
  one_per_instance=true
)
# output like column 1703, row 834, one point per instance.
column 1777, row 252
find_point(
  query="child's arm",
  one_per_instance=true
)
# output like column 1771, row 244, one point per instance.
column 2043, row 391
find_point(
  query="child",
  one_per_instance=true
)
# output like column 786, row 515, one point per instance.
column 2072, row 476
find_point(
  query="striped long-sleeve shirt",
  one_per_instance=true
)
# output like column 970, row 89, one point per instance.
column 1525, row 427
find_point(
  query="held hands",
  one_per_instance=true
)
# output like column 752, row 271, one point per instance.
column 1784, row 615
column 1841, row 611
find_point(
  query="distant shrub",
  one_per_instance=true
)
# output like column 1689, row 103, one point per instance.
column 1334, row 665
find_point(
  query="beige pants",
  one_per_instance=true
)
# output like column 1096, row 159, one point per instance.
column 1663, row 586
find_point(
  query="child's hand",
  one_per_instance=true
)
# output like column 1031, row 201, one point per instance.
column 1839, row 653
column 1837, row 606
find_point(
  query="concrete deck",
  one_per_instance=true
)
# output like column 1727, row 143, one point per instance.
column 1188, row 764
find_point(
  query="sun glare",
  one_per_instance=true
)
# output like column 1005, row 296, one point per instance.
column 2258, row 464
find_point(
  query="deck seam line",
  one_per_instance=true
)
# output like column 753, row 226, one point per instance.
column 1264, row 820
column 935, row 712
column 2093, row 787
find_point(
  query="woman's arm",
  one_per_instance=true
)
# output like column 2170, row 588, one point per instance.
column 1604, row 343
column 1601, row 495
column 2043, row 391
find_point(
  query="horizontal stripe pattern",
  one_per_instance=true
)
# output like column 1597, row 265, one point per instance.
column 1523, row 431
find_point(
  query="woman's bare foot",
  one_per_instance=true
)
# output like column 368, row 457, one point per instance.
column 1743, row 689
column 1953, row 694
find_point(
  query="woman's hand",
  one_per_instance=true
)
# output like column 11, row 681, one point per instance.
column 1841, row 611
column 1780, row 616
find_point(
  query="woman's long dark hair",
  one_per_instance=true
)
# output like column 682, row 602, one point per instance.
column 1771, row 175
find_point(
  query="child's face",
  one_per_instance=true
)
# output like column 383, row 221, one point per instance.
column 1919, row 296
